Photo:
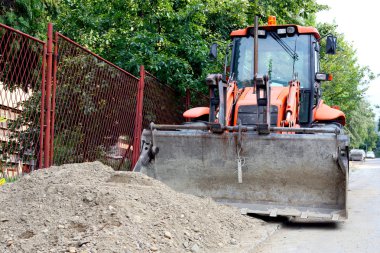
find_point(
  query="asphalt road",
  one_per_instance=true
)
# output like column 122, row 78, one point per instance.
column 360, row 233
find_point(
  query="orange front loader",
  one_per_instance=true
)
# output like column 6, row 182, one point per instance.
column 270, row 145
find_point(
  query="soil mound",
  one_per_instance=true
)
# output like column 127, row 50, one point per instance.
column 89, row 207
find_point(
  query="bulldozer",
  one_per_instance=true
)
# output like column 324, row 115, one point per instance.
column 267, row 143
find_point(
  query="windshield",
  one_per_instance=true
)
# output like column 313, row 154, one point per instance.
column 274, row 60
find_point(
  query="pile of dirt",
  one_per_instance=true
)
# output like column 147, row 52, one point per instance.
column 91, row 208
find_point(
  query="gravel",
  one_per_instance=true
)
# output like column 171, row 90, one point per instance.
column 89, row 207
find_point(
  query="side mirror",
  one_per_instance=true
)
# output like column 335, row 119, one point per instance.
column 331, row 44
column 323, row 77
column 213, row 51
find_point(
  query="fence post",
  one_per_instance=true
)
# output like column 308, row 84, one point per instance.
column 42, row 113
column 48, row 95
column 138, row 118
column 55, row 65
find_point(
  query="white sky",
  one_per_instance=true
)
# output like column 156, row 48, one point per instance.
column 358, row 20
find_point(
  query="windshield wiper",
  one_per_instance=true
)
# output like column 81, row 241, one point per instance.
column 284, row 45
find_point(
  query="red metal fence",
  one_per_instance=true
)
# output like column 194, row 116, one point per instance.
column 22, row 65
column 162, row 104
column 196, row 99
column 91, row 109
column 95, row 105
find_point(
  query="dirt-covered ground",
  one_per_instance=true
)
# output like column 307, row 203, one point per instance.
column 91, row 208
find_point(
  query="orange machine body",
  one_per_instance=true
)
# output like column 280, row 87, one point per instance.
column 300, row 30
column 278, row 98
column 286, row 99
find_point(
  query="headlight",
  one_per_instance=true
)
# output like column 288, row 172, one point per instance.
column 290, row 30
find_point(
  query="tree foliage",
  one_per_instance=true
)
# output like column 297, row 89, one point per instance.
column 172, row 37
column 29, row 16
column 287, row 12
column 347, row 89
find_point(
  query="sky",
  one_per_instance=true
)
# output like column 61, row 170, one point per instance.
column 358, row 20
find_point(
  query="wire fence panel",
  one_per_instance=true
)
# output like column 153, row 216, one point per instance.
column 196, row 99
column 95, row 104
column 21, row 89
column 161, row 104
column 70, row 105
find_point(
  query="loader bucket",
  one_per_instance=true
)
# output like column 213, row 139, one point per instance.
column 296, row 175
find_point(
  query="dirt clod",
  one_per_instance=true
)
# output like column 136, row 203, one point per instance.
column 72, row 250
column 168, row 235
column 195, row 248
column 9, row 243
column 89, row 207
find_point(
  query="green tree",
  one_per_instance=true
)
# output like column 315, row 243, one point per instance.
column 170, row 37
column 287, row 12
column 348, row 87
column 29, row 16
column 361, row 126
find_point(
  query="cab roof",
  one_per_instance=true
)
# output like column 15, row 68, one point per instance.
column 299, row 29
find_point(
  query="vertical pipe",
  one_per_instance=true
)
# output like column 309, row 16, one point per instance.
column 55, row 64
column 211, row 117
column 48, row 95
column 256, row 64
column 138, row 118
column 222, row 101
column 256, row 48
column 42, row 118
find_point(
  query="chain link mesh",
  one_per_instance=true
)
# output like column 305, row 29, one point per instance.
column 21, row 71
column 94, row 104
column 95, row 108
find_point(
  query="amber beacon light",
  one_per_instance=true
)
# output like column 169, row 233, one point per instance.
column 271, row 20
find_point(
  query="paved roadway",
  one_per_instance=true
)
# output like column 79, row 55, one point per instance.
column 360, row 233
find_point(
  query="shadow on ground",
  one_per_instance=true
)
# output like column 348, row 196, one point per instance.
column 285, row 222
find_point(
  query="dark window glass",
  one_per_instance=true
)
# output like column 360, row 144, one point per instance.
column 273, row 60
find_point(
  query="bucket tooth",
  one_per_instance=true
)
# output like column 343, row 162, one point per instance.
column 273, row 213
column 335, row 217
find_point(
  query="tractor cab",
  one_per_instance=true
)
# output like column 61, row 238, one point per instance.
column 285, row 53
